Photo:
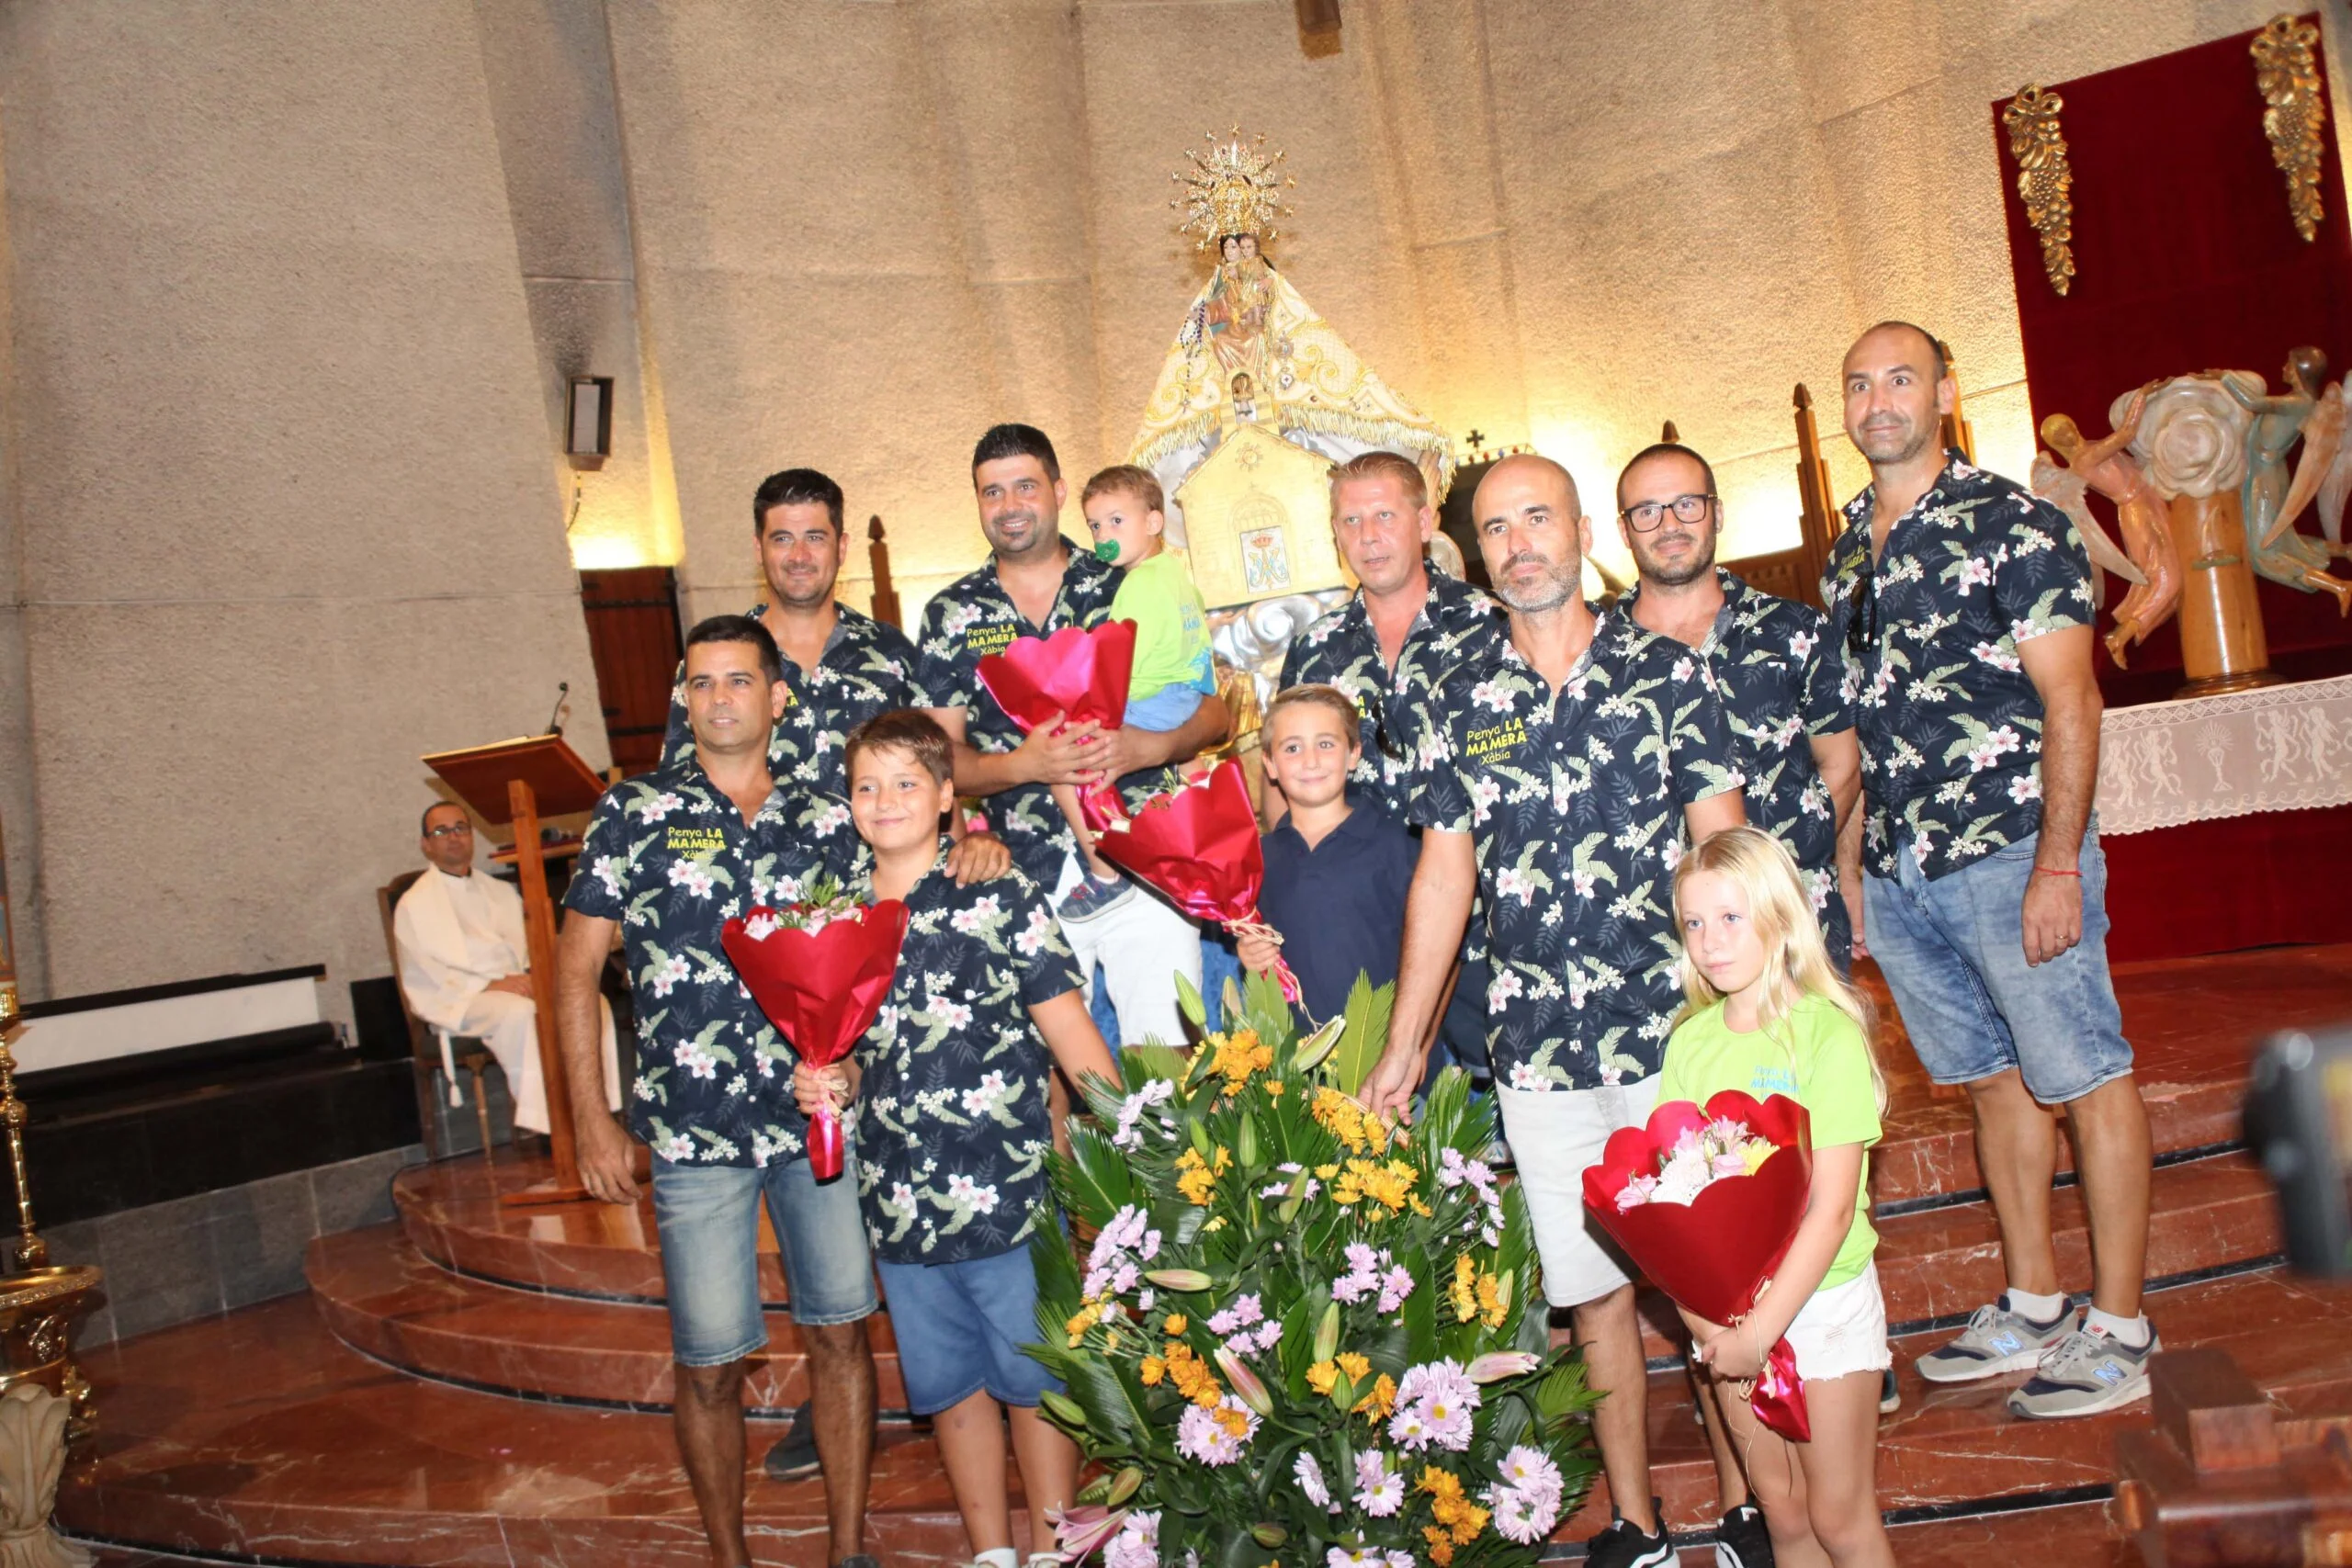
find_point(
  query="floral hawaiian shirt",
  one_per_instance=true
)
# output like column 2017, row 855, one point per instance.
column 1783, row 679
column 1573, row 801
column 973, row 616
column 1457, row 621
column 1950, row 724
column 669, row 856
column 867, row 668
column 953, row 1124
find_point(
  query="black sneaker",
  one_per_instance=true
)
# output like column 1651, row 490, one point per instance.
column 793, row 1456
column 1742, row 1541
column 1622, row 1545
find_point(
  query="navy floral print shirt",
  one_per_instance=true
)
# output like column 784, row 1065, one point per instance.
column 669, row 857
column 1782, row 680
column 1574, row 802
column 973, row 616
column 953, row 1124
column 868, row 666
column 1950, row 724
column 1457, row 621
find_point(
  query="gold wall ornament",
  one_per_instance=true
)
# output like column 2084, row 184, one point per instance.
column 1232, row 188
column 2287, row 74
column 2046, row 180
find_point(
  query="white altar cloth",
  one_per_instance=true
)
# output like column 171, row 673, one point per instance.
column 2273, row 748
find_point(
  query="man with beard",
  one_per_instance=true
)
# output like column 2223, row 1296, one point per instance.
column 1036, row 582
column 1777, row 673
column 1560, row 770
column 1965, row 603
column 1386, row 647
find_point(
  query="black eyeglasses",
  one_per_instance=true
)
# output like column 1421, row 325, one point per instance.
column 1648, row 514
column 447, row 829
column 1862, row 613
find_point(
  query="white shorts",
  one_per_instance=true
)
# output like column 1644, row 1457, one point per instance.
column 1842, row 1330
column 1555, row 1135
column 1141, row 946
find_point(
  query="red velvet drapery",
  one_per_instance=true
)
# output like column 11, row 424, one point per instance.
column 2186, row 259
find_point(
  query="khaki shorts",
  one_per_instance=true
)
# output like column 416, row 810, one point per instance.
column 1554, row 1135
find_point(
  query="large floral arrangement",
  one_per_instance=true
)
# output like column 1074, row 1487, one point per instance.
column 1295, row 1333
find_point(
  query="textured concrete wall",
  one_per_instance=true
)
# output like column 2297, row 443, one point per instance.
column 866, row 230
column 284, row 510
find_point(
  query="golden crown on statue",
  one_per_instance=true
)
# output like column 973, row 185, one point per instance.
column 1231, row 189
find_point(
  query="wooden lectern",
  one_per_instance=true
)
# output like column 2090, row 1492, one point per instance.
column 512, row 782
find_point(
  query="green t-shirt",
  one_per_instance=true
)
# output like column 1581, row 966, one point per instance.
column 1815, row 1055
column 1171, row 627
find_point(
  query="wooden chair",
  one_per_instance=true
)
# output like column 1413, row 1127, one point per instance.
column 433, row 1051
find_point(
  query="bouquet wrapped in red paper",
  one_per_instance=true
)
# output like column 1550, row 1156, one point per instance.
column 1706, row 1203
column 1198, row 843
column 1081, row 674
column 819, row 970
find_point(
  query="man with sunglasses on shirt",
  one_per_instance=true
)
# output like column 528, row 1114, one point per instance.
column 1966, row 604
column 1387, row 647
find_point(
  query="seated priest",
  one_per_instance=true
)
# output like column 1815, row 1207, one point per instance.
column 465, row 965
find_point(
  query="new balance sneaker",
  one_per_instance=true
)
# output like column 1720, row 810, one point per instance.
column 2087, row 1372
column 1623, row 1545
column 1996, row 1340
column 1742, row 1541
column 1093, row 898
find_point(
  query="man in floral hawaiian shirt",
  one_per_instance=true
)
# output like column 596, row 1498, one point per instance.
column 1779, row 675
column 1966, row 602
column 668, row 857
column 840, row 666
column 1559, row 773
column 1404, row 627
column 1036, row 582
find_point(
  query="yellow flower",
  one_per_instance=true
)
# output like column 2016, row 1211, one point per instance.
column 1467, row 1522
column 1490, row 1302
column 1346, row 1120
column 1193, row 1378
column 1389, row 1185
column 1441, row 1484
column 1085, row 1319
column 1152, row 1371
column 1175, row 1324
column 1441, row 1545
column 1753, row 1154
column 1236, row 1056
column 1196, row 1178
column 1377, row 1404
column 1322, row 1377
column 1355, row 1366
column 1234, row 1421
column 1465, row 1303
column 1274, row 1089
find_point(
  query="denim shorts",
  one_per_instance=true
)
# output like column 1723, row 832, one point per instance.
column 709, row 1216
column 960, row 1327
column 1953, row 953
column 1165, row 709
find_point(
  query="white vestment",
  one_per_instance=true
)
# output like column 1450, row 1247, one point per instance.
column 456, row 935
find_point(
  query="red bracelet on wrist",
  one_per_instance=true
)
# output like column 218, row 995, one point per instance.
column 2045, row 871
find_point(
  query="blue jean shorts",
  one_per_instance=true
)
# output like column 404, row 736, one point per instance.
column 1165, row 709
column 1953, row 953
column 709, row 1216
column 960, row 1327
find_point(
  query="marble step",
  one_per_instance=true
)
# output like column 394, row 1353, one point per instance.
column 380, row 1296
column 259, row 1434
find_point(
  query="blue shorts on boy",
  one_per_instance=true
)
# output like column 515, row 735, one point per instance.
column 954, row 1131
column 1340, row 905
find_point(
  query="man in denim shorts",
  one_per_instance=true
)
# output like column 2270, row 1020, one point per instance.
column 667, row 858
column 1966, row 603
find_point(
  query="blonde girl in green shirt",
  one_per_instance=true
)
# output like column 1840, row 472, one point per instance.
column 1768, row 1014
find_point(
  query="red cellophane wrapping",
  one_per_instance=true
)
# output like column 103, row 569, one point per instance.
column 820, row 989
column 1197, row 843
column 1078, row 674
column 1714, row 1254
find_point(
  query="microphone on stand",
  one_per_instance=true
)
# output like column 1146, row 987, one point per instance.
column 563, row 690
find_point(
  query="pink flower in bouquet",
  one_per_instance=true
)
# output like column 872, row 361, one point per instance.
column 1434, row 1403
column 1137, row 1544
column 1526, row 1501
column 1380, row 1491
column 1203, row 1436
column 1309, row 1470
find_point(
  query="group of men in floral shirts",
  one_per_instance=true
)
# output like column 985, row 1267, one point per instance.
column 1555, row 760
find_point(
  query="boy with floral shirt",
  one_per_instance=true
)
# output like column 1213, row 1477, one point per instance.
column 953, row 1130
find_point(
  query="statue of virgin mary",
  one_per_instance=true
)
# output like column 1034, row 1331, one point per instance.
column 1251, row 351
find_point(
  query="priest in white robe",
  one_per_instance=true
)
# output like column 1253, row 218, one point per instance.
column 465, row 965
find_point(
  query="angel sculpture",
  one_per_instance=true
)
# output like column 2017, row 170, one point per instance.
column 2325, row 473
column 2280, row 553
column 2148, row 560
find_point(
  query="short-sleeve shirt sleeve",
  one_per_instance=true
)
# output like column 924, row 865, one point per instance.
column 1835, row 1083
column 1047, row 966
column 1439, row 795
column 2041, row 579
column 595, row 888
column 1704, row 760
column 939, row 675
column 1830, row 688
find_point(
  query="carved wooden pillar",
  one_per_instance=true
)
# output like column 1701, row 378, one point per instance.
column 2222, row 644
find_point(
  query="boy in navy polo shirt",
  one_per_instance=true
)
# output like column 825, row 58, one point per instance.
column 952, row 1129
column 1336, row 876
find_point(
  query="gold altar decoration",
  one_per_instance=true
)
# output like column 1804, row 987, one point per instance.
column 1233, row 188
column 1252, row 350
column 2046, row 180
column 2287, row 74
column 1258, row 514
